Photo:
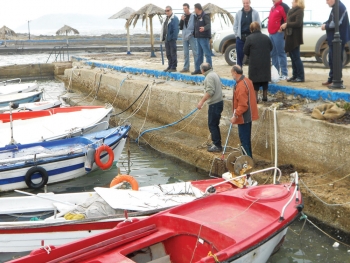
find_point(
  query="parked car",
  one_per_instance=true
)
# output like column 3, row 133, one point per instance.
column 315, row 43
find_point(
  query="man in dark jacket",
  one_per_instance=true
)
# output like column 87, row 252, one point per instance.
column 169, row 33
column 344, row 30
column 258, row 47
column 202, row 33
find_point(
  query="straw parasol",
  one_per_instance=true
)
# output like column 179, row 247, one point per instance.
column 125, row 13
column 67, row 30
column 216, row 10
column 6, row 31
column 147, row 12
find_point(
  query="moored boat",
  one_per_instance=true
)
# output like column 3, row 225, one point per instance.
column 19, row 98
column 37, row 164
column 5, row 117
column 56, row 126
column 57, row 228
column 242, row 225
column 18, row 88
column 34, row 106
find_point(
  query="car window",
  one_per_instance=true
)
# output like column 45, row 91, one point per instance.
column 306, row 24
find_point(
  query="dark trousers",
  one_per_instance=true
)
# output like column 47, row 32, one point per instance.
column 171, row 53
column 239, row 51
column 330, row 61
column 245, row 134
column 297, row 64
column 214, row 116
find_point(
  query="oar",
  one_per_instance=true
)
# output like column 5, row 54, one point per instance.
column 43, row 197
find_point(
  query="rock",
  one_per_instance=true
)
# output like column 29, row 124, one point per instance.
column 336, row 244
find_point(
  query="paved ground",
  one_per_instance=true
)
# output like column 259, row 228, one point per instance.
column 315, row 73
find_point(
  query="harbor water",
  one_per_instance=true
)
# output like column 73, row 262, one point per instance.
column 304, row 243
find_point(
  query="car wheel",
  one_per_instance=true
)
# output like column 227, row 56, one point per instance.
column 348, row 60
column 231, row 55
column 318, row 59
column 325, row 57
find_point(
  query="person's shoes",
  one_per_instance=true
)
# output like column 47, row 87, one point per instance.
column 327, row 83
column 172, row 70
column 290, row 79
column 166, row 70
column 264, row 99
column 298, row 80
column 196, row 72
column 283, row 77
column 214, row 148
column 184, row 70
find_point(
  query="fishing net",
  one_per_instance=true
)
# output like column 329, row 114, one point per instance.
column 93, row 207
column 218, row 168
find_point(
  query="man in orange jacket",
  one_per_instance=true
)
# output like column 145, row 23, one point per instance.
column 245, row 109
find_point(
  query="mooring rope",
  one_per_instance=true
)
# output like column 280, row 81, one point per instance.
column 165, row 126
column 131, row 103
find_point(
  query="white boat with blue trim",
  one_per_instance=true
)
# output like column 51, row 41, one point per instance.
column 37, row 164
column 20, row 98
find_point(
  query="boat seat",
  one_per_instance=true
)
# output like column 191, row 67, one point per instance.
column 165, row 259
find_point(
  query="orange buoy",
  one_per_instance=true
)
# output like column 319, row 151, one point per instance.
column 108, row 164
column 125, row 178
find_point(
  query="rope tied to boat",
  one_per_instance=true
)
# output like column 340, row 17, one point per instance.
column 168, row 125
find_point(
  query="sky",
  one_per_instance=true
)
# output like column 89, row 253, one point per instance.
column 15, row 13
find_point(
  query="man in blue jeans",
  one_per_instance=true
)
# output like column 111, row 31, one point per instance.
column 277, row 17
column 202, row 33
column 241, row 27
column 169, row 33
column 188, row 40
column 213, row 96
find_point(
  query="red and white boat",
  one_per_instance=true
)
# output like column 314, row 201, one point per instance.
column 20, row 235
column 25, row 115
column 52, row 124
column 244, row 225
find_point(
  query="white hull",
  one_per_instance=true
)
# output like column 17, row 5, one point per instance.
column 34, row 106
column 262, row 253
column 60, row 171
column 18, row 88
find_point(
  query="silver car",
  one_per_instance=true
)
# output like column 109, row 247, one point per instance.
column 315, row 43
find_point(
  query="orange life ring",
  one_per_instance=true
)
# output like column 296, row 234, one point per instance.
column 108, row 164
column 125, row 178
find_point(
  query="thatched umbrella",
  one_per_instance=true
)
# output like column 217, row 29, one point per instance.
column 6, row 31
column 125, row 14
column 147, row 12
column 67, row 30
column 216, row 10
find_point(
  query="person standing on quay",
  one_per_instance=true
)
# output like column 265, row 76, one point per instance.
column 294, row 38
column 344, row 30
column 213, row 96
column 245, row 109
column 241, row 28
column 188, row 40
column 278, row 15
column 202, row 33
column 169, row 33
column 258, row 47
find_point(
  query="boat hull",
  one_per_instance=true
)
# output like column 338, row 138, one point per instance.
column 20, row 98
column 67, row 167
column 18, row 88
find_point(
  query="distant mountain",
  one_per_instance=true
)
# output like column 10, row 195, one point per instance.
column 85, row 24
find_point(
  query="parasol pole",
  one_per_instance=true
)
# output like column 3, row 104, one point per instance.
column 128, row 38
column 153, row 55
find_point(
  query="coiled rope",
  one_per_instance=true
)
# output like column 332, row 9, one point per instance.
column 165, row 126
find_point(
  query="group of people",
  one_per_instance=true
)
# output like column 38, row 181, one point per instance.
column 285, row 29
column 196, row 34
